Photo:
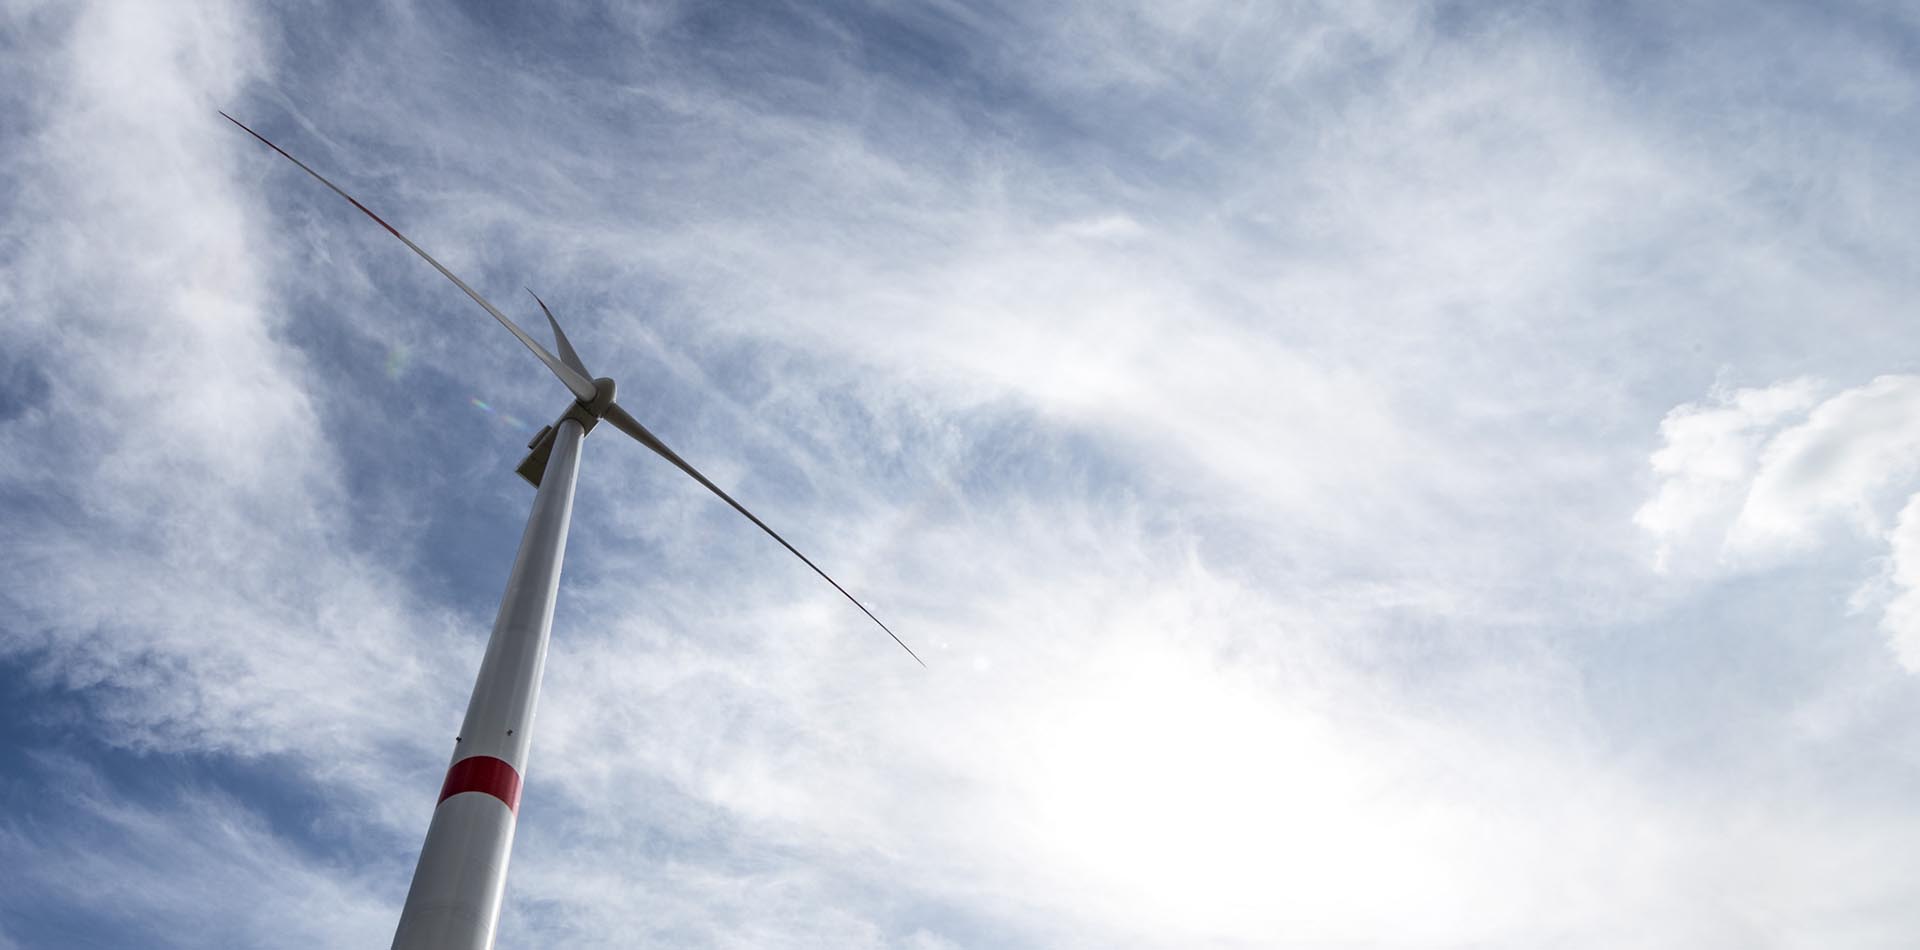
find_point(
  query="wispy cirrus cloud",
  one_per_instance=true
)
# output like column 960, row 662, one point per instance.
column 190, row 865
column 1246, row 408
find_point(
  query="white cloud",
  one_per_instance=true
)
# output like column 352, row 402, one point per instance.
column 1901, row 619
column 179, row 550
column 1242, row 412
column 1840, row 465
column 1759, row 476
column 195, row 867
column 1706, row 466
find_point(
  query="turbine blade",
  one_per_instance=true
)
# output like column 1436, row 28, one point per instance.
column 576, row 382
column 560, row 337
column 631, row 426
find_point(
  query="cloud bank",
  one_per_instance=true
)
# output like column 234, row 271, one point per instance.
column 1249, row 410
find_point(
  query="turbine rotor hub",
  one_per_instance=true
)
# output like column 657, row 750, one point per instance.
column 602, row 398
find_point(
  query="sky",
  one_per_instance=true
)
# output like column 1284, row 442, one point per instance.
column 1362, row 475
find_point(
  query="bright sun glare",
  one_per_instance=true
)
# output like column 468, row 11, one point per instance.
column 1178, row 793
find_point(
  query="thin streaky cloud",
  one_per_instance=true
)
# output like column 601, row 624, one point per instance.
column 1399, row 475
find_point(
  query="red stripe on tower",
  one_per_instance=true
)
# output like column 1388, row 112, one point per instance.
column 483, row 773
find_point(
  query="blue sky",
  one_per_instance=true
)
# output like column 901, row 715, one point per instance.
column 1372, row 475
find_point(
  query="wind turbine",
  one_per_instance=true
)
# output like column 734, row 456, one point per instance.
column 455, row 898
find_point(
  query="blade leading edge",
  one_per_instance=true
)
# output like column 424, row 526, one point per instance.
column 575, row 381
column 631, row 426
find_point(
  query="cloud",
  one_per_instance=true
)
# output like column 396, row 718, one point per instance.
column 1707, row 463
column 1759, row 476
column 1901, row 618
column 192, row 867
column 1840, row 465
column 1244, row 409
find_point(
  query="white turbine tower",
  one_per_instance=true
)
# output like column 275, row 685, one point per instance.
column 457, row 887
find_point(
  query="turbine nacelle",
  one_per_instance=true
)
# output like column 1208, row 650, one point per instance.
column 586, row 412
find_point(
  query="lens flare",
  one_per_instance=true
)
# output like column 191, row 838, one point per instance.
column 509, row 421
column 397, row 360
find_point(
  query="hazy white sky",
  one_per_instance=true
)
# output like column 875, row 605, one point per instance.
column 1370, row 475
